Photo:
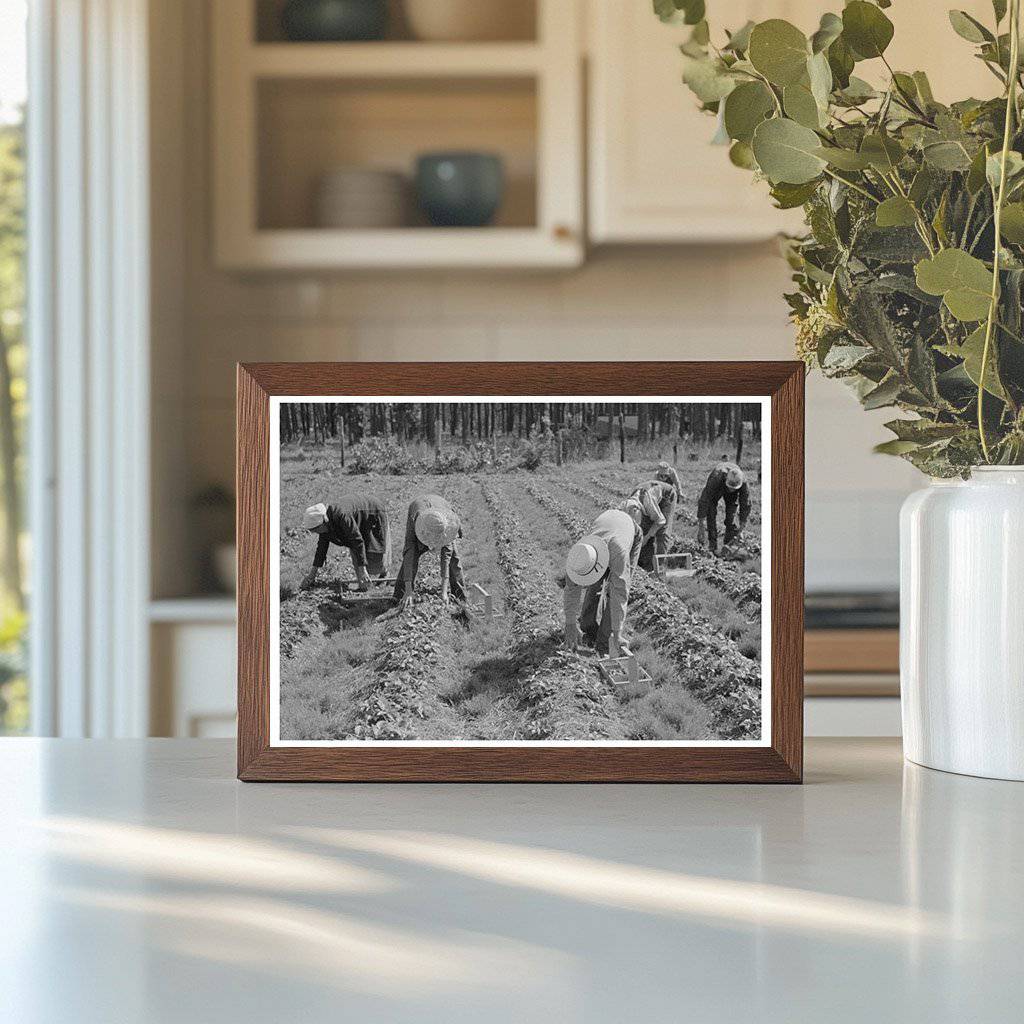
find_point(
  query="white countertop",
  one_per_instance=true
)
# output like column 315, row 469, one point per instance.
column 140, row 882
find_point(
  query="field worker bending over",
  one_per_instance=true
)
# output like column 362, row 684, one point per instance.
column 598, row 570
column 666, row 474
column 359, row 523
column 725, row 482
column 431, row 525
column 657, row 501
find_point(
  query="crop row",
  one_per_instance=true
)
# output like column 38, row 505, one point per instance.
column 562, row 697
column 709, row 662
column 740, row 586
column 413, row 658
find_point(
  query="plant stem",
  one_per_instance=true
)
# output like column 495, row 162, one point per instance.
column 1011, row 109
column 853, row 185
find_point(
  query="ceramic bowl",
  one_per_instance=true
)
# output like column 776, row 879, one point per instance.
column 359, row 197
column 333, row 21
column 460, row 189
column 470, row 20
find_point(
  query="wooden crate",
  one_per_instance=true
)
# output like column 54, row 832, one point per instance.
column 623, row 671
column 675, row 567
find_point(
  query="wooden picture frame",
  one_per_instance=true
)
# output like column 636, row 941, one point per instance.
column 779, row 758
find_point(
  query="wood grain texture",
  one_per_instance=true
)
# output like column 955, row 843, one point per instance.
column 779, row 762
column 852, row 650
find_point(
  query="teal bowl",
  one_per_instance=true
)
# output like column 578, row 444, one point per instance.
column 334, row 21
column 460, row 189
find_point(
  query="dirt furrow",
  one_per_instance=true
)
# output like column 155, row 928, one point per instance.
column 414, row 658
column 562, row 696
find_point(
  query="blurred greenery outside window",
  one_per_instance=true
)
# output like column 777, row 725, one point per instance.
column 14, row 541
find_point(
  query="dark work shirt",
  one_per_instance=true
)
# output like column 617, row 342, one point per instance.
column 715, row 491
column 350, row 521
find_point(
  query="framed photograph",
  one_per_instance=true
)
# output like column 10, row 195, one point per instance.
column 578, row 572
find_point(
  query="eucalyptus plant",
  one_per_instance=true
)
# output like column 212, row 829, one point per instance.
column 910, row 278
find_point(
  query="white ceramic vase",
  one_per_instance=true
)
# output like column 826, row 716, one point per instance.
column 962, row 624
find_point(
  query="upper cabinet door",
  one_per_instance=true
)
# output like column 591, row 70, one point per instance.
column 654, row 175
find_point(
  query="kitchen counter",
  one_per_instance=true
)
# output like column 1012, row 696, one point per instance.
column 140, row 882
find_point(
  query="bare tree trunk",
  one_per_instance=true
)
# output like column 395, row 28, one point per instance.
column 622, row 436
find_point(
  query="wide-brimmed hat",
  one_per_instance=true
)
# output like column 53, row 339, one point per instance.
column 587, row 561
column 314, row 516
column 436, row 528
column 734, row 478
column 634, row 508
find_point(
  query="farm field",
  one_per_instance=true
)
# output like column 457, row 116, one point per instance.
column 428, row 675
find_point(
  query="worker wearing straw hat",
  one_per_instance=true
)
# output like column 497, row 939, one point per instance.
column 359, row 523
column 725, row 483
column 598, row 571
column 431, row 525
column 656, row 501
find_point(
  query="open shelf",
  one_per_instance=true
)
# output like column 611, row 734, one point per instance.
column 393, row 60
column 519, row 24
column 309, row 127
column 286, row 114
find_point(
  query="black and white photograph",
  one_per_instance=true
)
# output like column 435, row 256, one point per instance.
column 506, row 572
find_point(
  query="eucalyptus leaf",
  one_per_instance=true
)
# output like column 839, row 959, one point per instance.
column 819, row 75
column 788, row 196
column 963, row 281
column 741, row 155
column 922, row 430
column 969, row 28
column 745, row 108
column 895, row 447
column 708, row 80
column 993, row 167
column 739, row 41
column 787, row 152
column 972, row 351
column 976, row 176
column 883, row 395
column 779, row 51
column 866, row 29
column 801, row 106
column 844, row 159
column 857, row 91
column 1012, row 223
column 947, row 156
column 883, row 152
column 689, row 12
column 841, row 62
column 829, row 30
column 894, row 212
column 922, row 185
column 924, row 87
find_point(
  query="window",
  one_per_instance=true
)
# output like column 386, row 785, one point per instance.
column 14, row 694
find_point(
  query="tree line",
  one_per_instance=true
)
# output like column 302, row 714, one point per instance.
column 443, row 423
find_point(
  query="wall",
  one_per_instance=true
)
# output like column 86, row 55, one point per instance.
column 664, row 303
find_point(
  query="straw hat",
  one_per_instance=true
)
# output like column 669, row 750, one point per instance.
column 734, row 478
column 314, row 516
column 436, row 528
column 587, row 561
column 634, row 508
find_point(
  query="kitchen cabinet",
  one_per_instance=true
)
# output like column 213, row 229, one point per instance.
column 653, row 175
column 288, row 114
